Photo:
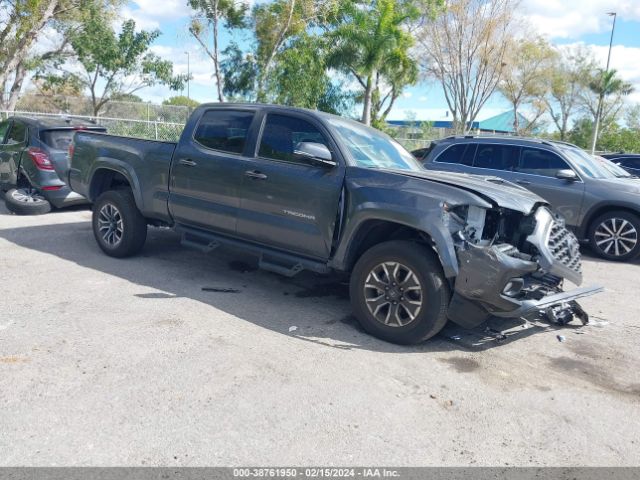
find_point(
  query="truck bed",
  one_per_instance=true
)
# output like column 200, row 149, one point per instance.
column 144, row 163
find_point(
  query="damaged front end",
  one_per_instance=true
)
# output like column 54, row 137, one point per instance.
column 514, row 265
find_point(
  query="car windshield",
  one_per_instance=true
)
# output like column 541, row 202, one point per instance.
column 591, row 166
column 370, row 148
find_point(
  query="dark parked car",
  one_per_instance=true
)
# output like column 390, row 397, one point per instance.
column 34, row 163
column 629, row 161
column 600, row 202
column 307, row 190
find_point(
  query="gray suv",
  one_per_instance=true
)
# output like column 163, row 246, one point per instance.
column 599, row 200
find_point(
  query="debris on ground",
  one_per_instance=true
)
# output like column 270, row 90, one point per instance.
column 293, row 328
column 455, row 337
column 561, row 338
column 498, row 335
column 220, row 290
column 598, row 322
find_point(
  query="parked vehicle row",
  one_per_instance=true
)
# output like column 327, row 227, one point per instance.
column 34, row 162
column 304, row 190
column 628, row 161
column 599, row 200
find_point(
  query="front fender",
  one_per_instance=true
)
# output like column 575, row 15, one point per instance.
column 429, row 222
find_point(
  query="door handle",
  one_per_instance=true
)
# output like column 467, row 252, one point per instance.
column 255, row 175
column 523, row 182
column 187, row 162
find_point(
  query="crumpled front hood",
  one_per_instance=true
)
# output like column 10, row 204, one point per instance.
column 496, row 190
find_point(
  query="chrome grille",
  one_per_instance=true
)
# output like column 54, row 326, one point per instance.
column 564, row 247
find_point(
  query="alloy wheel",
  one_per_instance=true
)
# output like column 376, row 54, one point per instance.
column 110, row 225
column 27, row 195
column 393, row 294
column 616, row 236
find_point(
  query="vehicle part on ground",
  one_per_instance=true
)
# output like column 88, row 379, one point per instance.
column 26, row 201
column 399, row 292
column 118, row 226
column 616, row 235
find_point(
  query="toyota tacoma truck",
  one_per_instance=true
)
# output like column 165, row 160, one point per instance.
column 305, row 190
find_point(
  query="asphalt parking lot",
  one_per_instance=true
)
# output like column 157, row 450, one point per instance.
column 176, row 357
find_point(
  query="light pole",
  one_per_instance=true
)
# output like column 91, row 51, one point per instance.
column 601, row 96
column 188, row 75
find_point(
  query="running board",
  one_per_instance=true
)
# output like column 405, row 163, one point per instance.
column 271, row 260
column 280, row 269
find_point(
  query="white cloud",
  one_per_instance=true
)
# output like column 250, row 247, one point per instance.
column 570, row 19
column 149, row 14
column 626, row 60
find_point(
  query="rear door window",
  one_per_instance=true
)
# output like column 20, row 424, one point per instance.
column 224, row 130
column 461, row 153
column 61, row 139
column 497, row 157
column 535, row 161
column 17, row 133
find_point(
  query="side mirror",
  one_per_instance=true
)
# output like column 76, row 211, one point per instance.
column 315, row 153
column 567, row 174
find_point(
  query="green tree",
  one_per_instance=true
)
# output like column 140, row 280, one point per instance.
column 113, row 63
column 181, row 101
column 604, row 99
column 568, row 74
column 371, row 43
column 207, row 20
column 300, row 78
column 525, row 78
column 21, row 22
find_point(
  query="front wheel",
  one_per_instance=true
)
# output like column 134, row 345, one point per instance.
column 118, row 226
column 399, row 292
column 616, row 236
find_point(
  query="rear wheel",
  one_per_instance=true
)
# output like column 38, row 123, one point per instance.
column 26, row 201
column 118, row 226
column 615, row 235
column 399, row 292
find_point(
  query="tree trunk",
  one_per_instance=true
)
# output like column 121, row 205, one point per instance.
column 368, row 93
column 18, row 53
column 516, row 121
column 16, row 88
column 216, row 55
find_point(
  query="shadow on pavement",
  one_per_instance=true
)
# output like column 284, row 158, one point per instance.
column 231, row 282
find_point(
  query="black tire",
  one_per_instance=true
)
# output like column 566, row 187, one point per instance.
column 627, row 241
column 26, row 201
column 435, row 294
column 127, row 220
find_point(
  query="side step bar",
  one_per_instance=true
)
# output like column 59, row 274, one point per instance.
column 269, row 259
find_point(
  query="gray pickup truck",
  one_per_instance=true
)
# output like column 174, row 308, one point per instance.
column 304, row 190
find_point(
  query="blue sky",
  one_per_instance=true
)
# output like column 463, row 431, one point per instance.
column 559, row 20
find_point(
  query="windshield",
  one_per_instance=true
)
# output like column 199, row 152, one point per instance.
column 370, row 148
column 591, row 166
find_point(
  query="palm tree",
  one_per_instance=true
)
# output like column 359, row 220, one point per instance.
column 604, row 84
column 369, row 41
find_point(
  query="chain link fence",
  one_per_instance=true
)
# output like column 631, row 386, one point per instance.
column 82, row 106
column 151, row 130
column 161, row 122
